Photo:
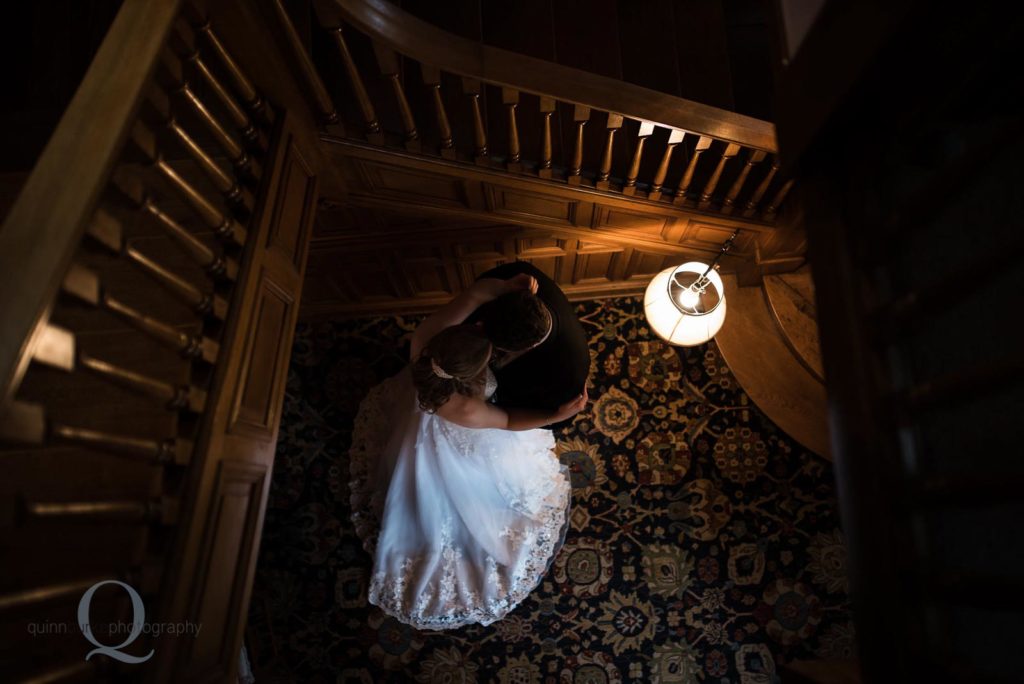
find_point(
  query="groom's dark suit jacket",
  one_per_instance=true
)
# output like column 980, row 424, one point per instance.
column 554, row 372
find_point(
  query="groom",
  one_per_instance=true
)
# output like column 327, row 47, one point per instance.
column 541, row 359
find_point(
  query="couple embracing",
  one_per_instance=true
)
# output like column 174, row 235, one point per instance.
column 456, row 490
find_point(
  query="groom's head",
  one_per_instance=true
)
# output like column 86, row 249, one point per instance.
column 516, row 321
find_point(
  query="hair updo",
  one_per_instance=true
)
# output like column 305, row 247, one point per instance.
column 460, row 351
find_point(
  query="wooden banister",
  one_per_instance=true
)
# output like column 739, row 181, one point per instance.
column 106, row 303
column 46, row 222
column 387, row 24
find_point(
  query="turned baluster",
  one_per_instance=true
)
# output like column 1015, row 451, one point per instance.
column 243, row 85
column 510, row 98
column 390, row 68
column 370, row 123
column 703, row 143
column 184, row 43
column 173, row 79
column 306, row 67
column 162, row 511
column 731, row 150
column 762, row 187
column 85, row 285
column 172, row 397
column 755, row 157
column 164, row 451
column 224, row 226
column 26, row 423
column 580, row 115
column 612, row 127
column 646, row 129
column 201, row 303
column 64, row 591
column 773, row 206
column 547, row 108
column 432, row 79
column 56, row 347
column 674, row 138
column 144, row 578
column 107, row 229
column 216, row 266
column 221, row 179
column 471, row 87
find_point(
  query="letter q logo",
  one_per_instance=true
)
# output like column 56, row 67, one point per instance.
column 138, row 620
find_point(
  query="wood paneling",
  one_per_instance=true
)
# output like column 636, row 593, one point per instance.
column 625, row 221
column 265, row 361
column 389, row 245
column 210, row 578
column 295, row 201
column 528, row 205
column 406, row 185
column 228, row 554
column 435, row 262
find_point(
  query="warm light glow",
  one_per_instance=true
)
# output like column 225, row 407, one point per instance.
column 688, row 298
column 670, row 323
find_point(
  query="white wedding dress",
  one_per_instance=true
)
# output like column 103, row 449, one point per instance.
column 461, row 523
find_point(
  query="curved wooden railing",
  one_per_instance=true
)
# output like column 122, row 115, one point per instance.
column 427, row 44
column 730, row 163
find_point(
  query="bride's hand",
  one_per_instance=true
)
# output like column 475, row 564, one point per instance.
column 571, row 407
column 523, row 281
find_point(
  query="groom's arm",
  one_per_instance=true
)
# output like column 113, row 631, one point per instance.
column 466, row 302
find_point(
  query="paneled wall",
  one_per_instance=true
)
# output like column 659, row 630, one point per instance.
column 409, row 233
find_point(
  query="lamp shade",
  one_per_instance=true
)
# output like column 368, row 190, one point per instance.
column 682, row 315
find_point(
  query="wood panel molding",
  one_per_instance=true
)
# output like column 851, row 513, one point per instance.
column 348, row 277
column 257, row 403
column 296, row 199
column 354, row 159
column 229, row 544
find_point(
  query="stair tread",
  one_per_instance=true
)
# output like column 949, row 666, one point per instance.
column 768, row 371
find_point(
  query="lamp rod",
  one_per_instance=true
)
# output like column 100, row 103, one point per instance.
column 726, row 246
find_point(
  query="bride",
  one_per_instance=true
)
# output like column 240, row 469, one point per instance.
column 461, row 504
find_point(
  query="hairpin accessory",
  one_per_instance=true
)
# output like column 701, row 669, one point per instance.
column 438, row 371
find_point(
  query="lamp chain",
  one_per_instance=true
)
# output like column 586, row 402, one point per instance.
column 701, row 283
column 726, row 246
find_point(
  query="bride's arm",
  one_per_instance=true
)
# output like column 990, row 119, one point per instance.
column 475, row 413
column 466, row 302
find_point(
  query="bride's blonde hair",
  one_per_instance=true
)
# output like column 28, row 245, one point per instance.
column 453, row 361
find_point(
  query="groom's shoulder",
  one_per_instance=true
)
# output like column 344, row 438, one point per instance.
column 548, row 289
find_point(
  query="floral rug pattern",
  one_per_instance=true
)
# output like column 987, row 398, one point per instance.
column 704, row 543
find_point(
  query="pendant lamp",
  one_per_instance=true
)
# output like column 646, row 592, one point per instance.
column 685, row 304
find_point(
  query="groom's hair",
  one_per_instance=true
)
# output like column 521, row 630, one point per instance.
column 515, row 321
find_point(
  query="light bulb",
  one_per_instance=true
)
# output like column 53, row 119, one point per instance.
column 688, row 298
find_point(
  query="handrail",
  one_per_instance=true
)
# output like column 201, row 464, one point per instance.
column 417, row 39
column 44, row 226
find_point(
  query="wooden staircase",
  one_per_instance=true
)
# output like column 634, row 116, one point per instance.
column 598, row 182
column 717, row 53
column 150, row 271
